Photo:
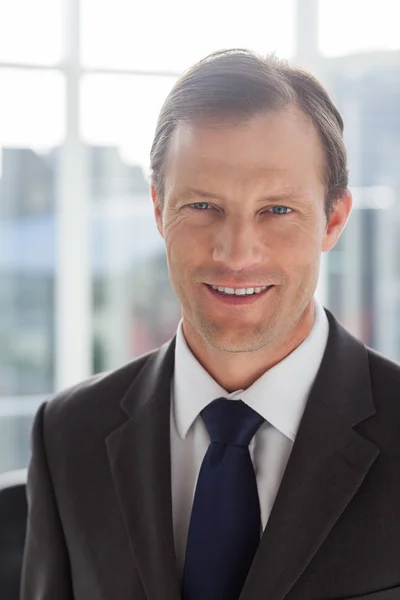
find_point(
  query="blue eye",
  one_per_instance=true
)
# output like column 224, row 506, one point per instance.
column 200, row 205
column 281, row 210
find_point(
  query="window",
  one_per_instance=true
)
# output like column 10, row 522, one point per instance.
column 32, row 127
column 169, row 36
column 31, row 31
column 348, row 26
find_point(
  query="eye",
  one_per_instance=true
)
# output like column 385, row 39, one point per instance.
column 200, row 206
column 280, row 210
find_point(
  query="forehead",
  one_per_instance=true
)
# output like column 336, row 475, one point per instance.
column 276, row 145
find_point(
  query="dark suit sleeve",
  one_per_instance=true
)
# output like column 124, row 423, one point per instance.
column 46, row 570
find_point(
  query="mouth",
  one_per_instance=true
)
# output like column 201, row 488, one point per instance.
column 243, row 291
column 238, row 296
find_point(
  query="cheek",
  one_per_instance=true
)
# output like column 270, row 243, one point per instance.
column 297, row 251
column 296, row 242
column 181, row 256
column 185, row 247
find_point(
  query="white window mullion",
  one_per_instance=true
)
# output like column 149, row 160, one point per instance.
column 73, row 273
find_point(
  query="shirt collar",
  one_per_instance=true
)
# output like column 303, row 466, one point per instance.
column 280, row 395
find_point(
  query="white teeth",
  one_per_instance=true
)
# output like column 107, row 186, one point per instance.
column 239, row 291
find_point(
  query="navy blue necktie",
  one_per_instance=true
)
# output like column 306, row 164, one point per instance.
column 225, row 524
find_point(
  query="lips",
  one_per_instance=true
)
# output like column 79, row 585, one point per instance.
column 248, row 290
column 237, row 299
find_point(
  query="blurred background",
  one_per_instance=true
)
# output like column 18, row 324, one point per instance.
column 83, row 279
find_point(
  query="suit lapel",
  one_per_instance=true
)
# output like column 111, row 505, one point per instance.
column 328, row 463
column 139, row 456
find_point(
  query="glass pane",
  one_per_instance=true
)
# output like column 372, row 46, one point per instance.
column 27, row 265
column 31, row 125
column 31, row 32
column 169, row 36
column 134, row 306
column 121, row 111
column 32, row 108
column 347, row 26
column 364, row 267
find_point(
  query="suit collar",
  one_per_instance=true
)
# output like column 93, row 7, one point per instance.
column 343, row 381
column 152, row 381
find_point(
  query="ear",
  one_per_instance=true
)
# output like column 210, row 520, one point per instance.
column 337, row 222
column 158, row 213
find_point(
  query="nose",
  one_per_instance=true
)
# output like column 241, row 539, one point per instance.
column 238, row 245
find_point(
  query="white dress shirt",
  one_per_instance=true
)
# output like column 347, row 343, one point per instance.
column 280, row 396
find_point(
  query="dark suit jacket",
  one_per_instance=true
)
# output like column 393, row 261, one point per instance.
column 100, row 524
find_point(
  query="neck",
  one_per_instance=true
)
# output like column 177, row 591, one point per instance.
column 239, row 370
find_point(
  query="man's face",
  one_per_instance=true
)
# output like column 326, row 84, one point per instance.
column 244, row 209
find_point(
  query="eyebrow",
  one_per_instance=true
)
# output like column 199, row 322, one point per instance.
column 196, row 193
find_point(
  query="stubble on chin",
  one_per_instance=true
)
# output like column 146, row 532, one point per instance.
column 234, row 340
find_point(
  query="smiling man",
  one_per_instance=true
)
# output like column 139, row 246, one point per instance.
column 242, row 209
column 256, row 455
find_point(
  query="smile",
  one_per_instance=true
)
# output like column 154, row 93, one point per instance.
column 239, row 291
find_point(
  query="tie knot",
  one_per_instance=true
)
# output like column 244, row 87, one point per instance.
column 231, row 422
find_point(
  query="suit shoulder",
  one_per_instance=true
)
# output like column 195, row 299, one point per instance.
column 385, row 385
column 383, row 368
column 99, row 394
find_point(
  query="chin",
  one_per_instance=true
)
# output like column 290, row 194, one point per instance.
column 240, row 340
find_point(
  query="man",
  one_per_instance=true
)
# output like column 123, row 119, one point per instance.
column 256, row 455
